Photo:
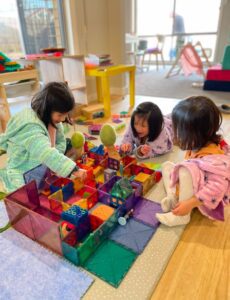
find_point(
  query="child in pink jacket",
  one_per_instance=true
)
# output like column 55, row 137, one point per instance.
column 203, row 179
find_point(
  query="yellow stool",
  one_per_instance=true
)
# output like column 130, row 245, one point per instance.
column 103, row 87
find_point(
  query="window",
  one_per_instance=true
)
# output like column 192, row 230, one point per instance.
column 10, row 37
column 27, row 26
column 179, row 21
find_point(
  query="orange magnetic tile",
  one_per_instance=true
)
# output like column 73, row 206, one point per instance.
column 142, row 177
column 103, row 212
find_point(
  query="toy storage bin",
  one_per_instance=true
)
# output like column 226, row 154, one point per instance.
column 33, row 220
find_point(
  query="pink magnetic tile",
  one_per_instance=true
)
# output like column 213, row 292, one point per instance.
column 46, row 232
column 19, row 218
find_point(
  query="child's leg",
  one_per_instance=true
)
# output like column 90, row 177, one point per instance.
column 168, row 202
column 185, row 193
column 186, row 184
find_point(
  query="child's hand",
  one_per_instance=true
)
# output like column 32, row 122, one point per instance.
column 145, row 149
column 81, row 174
column 126, row 147
column 185, row 207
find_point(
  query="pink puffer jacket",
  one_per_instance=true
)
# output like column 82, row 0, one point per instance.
column 211, row 182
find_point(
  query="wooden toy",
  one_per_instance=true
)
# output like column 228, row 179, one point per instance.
column 81, row 119
column 93, row 111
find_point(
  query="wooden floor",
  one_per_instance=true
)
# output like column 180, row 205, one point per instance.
column 200, row 266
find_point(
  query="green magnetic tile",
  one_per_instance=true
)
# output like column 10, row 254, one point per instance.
column 111, row 262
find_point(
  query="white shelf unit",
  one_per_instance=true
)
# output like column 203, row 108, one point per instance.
column 70, row 69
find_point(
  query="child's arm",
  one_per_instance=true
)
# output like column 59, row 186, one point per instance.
column 162, row 144
column 38, row 145
column 185, row 207
column 155, row 148
column 127, row 142
column 60, row 139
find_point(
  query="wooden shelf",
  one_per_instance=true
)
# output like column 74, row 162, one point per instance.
column 7, row 78
column 70, row 69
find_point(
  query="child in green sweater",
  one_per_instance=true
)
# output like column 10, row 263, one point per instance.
column 35, row 136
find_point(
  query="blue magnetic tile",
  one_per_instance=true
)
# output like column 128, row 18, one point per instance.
column 134, row 235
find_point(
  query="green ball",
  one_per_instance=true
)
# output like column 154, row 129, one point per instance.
column 77, row 140
column 108, row 135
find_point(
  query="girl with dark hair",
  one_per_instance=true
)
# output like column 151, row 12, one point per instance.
column 203, row 179
column 35, row 136
column 149, row 133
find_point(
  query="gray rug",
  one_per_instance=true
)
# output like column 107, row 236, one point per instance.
column 29, row 271
column 153, row 83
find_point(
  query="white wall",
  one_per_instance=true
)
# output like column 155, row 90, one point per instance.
column 98, row 27
column 223, row 36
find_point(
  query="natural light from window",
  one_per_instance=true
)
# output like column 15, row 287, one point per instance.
column 200, row 22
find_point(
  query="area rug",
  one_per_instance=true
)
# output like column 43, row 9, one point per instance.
column 29, row 271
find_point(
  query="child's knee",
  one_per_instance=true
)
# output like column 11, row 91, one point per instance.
column 167, row 167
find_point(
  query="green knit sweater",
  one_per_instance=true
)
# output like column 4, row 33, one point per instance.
column 27, row 144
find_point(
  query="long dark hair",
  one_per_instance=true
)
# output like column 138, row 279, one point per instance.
column 54, row 97
column 196, row 121
column 152, row 114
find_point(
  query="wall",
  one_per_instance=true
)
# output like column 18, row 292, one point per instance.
column 223, row 36
column 98, row 27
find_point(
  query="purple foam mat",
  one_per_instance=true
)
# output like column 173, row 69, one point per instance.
column 145, row 211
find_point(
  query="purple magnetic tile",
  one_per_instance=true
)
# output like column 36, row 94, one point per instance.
column 145, row 211
column 104, row 197
column 117, row 121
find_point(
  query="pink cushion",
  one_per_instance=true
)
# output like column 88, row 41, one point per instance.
column 216, row 73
